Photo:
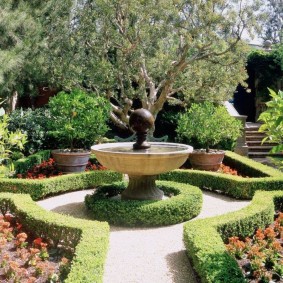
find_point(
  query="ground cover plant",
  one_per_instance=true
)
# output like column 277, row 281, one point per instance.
column 260, row 257
column 27, row 259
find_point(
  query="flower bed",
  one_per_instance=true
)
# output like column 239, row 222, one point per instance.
column 89, row 239
column 25, row 258
column 261, row 257
column 47, row 169
column 224, row 169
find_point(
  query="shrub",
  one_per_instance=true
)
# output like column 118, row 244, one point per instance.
column 273, row 121
column 207, row 125
column 78, row 118
column 9, row 140
column 33, row 124
column 185, row 203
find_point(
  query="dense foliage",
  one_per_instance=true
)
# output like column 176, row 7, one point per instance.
column 128, row 52
column 272, row 120
column 77, row 119
column 9, row 140
column 33, row 124
column 267, row 70
column 207, row 125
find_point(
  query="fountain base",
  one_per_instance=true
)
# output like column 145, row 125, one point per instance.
column 142, row 187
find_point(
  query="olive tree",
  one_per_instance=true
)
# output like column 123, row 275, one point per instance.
column 148, row 53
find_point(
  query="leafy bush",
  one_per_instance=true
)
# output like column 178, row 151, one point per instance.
column 33, row 124
column 78, row 118
column 9, row 140
column 207, row 125
column 184, row 204
column 272, row 120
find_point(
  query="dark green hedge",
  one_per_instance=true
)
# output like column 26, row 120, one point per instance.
column 235, row 186
column 22, row 165
column 249, row 167
column 88, row 238
column 38, row 189
column 204, row 239
column 185, row 204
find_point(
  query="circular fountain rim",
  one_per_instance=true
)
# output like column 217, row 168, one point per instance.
column 99, row 148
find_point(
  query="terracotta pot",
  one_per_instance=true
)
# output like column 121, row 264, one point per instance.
column 70, row 162
column 206, row 161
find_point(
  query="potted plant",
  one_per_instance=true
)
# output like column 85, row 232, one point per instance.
column 76, row 120
column 206, row 125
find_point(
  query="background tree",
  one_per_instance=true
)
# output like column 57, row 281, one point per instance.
column 273, row 30
column 16, row 27
column 139, row 53
column 33, row 45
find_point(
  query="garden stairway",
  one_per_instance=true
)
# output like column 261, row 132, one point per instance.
column 254, row 142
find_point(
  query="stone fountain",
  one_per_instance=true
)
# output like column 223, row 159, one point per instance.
column 142, row 161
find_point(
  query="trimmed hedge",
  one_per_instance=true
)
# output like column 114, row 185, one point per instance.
column 244, row 188
column 24, row 164
column 89, row 238
column 39, row 188
column 185, row 204
column 204, row 239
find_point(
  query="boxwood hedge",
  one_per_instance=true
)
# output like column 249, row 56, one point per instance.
column 204, row 239
column 185, row 203
column 262, row 177
column 44, row 187
column 88, row 238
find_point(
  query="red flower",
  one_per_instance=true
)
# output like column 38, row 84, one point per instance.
column 37, row 241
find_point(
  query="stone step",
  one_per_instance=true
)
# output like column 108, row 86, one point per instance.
column 257, row 154
column 259, row 143
column 254, row 138
column 254, row 133
column 260, row 148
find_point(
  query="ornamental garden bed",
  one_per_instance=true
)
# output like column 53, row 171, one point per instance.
column 260, row 257
column 204, row 239
column 84, row 242
column 47, row 169
column 39, row 188
column 25, row 258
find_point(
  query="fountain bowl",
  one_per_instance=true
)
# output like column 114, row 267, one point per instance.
column 161, row 157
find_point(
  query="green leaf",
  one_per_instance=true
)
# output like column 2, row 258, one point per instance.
column 277, row 148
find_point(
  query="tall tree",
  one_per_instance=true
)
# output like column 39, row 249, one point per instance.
column 34, row 37
column 273, row 29
column 16, row 27
column 161, row 51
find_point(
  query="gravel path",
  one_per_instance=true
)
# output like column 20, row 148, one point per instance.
column 145, row 255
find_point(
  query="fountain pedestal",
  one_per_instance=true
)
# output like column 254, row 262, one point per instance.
column 142, row 187
column 142, row 161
